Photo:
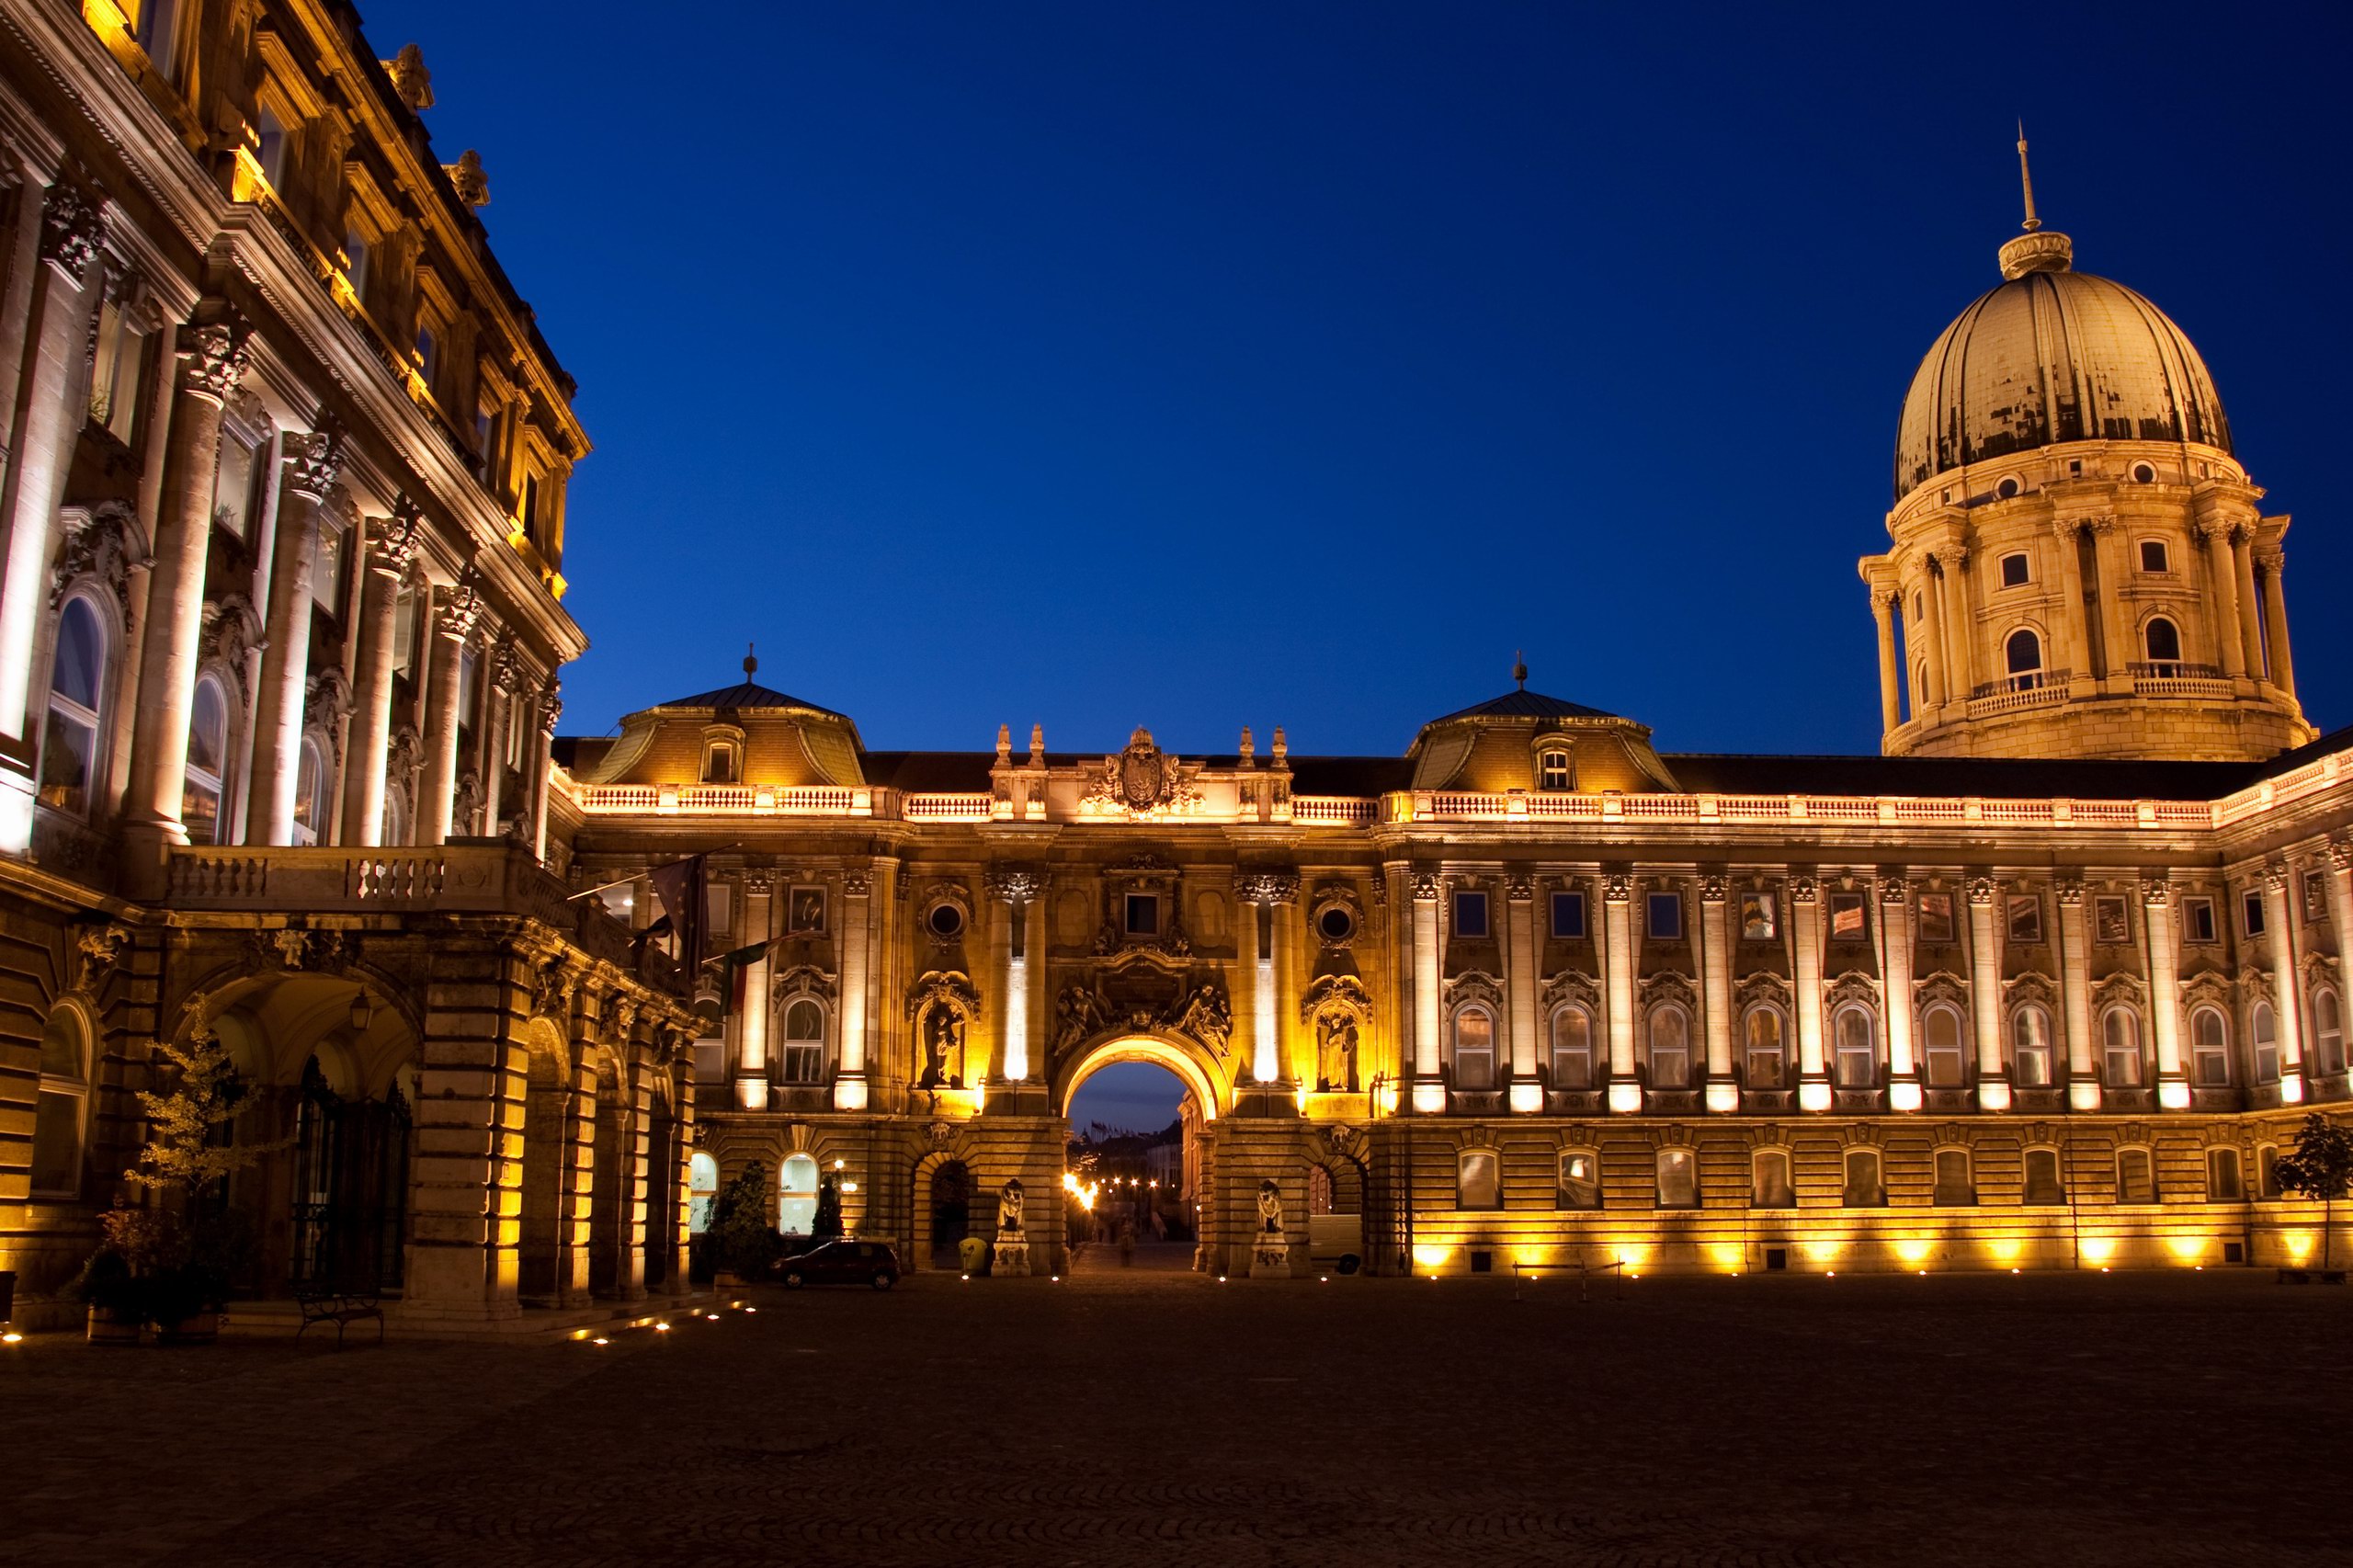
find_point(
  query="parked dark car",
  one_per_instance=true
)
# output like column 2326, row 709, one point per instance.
column 841, row 1263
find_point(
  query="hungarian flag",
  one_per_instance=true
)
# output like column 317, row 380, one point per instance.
column 736, row 967
column 682, row 888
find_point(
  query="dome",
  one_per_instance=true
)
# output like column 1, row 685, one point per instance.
column 2052, row 354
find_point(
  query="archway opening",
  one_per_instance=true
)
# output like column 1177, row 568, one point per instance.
column 949, row 1219
column 1133, row 1195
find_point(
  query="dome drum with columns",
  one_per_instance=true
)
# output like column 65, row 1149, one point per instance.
column 2081, row 566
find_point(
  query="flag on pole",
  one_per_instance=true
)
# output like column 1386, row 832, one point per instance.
column 681, row 886
column 737, row 967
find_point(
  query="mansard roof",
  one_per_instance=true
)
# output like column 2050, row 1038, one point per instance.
column 749, row 695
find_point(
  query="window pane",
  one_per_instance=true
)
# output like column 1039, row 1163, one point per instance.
column 57, row 1143
column 1666, row 916
column 1580, row 1182
column 60, row 1048
column 1471, row 915
column 208, row 729
column 1678, row 1179
column 2133, row 1182
column 81, row 656
column 69, row 751
column 804, row 1021
column 1478, row 1185
column 1568, row 916
column 1862, row 1188
column 2043, row 1176
column 1773, row 1189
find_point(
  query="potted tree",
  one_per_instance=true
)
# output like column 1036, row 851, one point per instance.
column 2321, row 1168
column 741, row 1242
column 113, row 1282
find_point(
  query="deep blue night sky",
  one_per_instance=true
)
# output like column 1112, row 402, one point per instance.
column 1212, row 365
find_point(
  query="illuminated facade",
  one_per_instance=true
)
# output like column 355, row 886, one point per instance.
column 279, row 622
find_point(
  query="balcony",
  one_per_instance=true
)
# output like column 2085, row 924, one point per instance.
column 2030, row 688
column 2173, row 677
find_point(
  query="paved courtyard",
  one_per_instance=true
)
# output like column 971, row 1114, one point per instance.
column 1158, row 1418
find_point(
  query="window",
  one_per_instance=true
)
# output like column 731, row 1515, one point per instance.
column 310, row 790
column 155, row 27
column 1664, row 917
column 1552, row 771
column 1759, row 917
column 2197, row 920
column 1678, row 1178
column 2328, row 1033
column 1862, row 1188
column 530, row 507
column 1941, row 1053
column 469, row 691
column 2264, row 1029
column 116, row 360
column 804, row 912
column 395, row 828
column 404, row 630
column 2144, row 473
column 2154, row 558
column 1858, row 1059
column 2250, row 913
column 2119, row 1031
column 2024, row 912
column 2111, row 922
column 1956, row 1189
column 2042, row 1183
column 2267, row 1171
column 2210, row 1055
column 233, row 486
column 945, row 920
column 1769, row 1185
column 1470, row 916
column 2007, row 489
column 326, row 567
column 1144, row 914
column 72, row 736
column 272, row 151
column 1474, row 1049
column 2030, row 1048
column 2315, row 896
column 2022, row 655
column 2163, row 639
column 702, row 1190
column 1571, row 1047
column 62, row 1100
column 797, row 1194
column 2015, row 573
column 1568, row 916
column 1478, row 1182
column 1670, row 1047
column 1580, row 1179
column 1336, row 922
column 355, row 263
column 428, row 355
column 1764, row 1052
column 718, row 911
column 804, row 1051
column 1846, row 918
column 1935, row 919
column 2224, row 1182
column 722, row 763
column 2136, row 1176
column 208, row 751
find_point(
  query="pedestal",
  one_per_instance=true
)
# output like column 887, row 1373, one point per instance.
column 1270, row 1255
column 1012, row 1256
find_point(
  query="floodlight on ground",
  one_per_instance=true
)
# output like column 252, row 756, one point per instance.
column 661, row 1328
column 600, row 1339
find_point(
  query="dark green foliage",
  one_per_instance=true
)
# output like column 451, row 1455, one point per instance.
column 742, row 1239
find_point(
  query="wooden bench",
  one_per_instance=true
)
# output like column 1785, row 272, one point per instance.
column 341, row 1308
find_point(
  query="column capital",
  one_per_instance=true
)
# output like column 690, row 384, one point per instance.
column 2340, row 852
column 2275, row 876
column 857, row 884
column 1895, row 887
column 506, row 669
column 399, row 540
column 551, row 706
column 1981, row 890
column 313, row 461
column 2069, row 886
column 1271, row 886
column 1013, row 885
column 212, row 357
column 72, row 226
column 456, row 617
column 1804, row 888
column 1616, row 887
column 1711, row 889
column 2156, row 891
column 1426, row 886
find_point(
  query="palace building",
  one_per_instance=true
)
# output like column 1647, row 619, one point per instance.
column 282, row 617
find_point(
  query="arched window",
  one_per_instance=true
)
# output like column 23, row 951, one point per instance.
column 208, row 758
column 1862, row 1188
column 1678, row 1178
column 1765, row 1055
column 2119, row 1034
column 318, row 1168
column 1857, row 1063
column 395, row 815
column 723, row 762
column 1320, row 1196
column 2043, row 1183
column 2267, row 1170
column 1474, row 1049
column 1770, row 1184
column 2030, row 1048
column 60, row 1112
column 803, row 1047
column 2136, row 1176
column 702, row 1190
column 1947, row 1063
column 309, row 791
column 1554, row 771
column 1580, row 1179
column 1571, row 1047
column 797, row 1194
column 1956, row 1184
column 75, row 728
column 1478, row 1182
column 2264, row 1027
column 1670, row 1047
column 2209, row 1049
column 2225, row 1183
column 2022, row 654
column 2163, row 639
column 2328, row 1032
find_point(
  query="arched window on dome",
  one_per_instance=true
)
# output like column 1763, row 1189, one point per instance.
column 2022, row 656
column 2161, row 639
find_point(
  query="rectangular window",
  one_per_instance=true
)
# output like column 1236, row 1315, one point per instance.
column 1935, row 919
column 428, row 355
column 2042, row 1185
column 1580, row 1180
column 1858, row 1058
column 1470, row 916
column 711, row 1060
column 233, row 486
column 469, row 688
column 2025, row 917
column 1678, row 1178
column 2136, row 1180
column 1478, row 1183
column 1772, row 1189
column 155, row 28
column 272, row 150
column 1846, row 918
column 2014, row 571
column 1955, row 1189
column 2197, row 920
column 57, row 1143
column 1665, row 918
column 718, row 911
column 1568, row 916
column 1861, row 1188
column 326, row 567
column 2152, row 555
column 2251, row 914
column 2223, row 1183
column 1144, row 914
column 1759, row 917
column 115, row 363
column 355, row 263
column 620, row 902
column 2111, row 922
column 1552, row 771
column 2267, row 1171
column 404, row 631
column 530, row 519
column 2315, row 896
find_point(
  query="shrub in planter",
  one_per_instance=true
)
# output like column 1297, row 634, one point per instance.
column 742, row 1241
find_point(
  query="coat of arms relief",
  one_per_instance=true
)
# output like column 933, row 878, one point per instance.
column 1142, row 781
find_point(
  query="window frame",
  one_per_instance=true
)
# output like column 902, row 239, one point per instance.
column 2147, row 1161
column 2047, row 1048
column 73, row 1086
column 1931, row 1049
column 1554, row 1051
column 194, row 779
column 1953, row 1194
column 1464, row 900
column 2056, row 1197
column 2199, row 928
column 1651, row 1018
column 58, row 709
column 2232, row 1190
column 1839, row 1053
column 1750, row 1054
column 1685, row 1157
column 807, row 1052
column 1464, row 1159
column 1853, row 1197
column 2328, row 1031
column 1556, row 770
column 1669, row 903
column 1561, row 1187
column 1787, row 1194
column 1571, row 899
column 2202, row 1051
column 2025, row 577
column 2141, row 557
column 2133, row 1047
column 1455, row 1049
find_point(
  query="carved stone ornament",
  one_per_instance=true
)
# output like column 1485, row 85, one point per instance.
column 1805, row 890
column 468, row 180
column 1204, row 1014
column 212, row 359
column 2155, row 892
column 941, row 1005
column 857, row 884
column 2340, row 852
column 506, row 669
column 294, row 948
column 1616, row 887
column 1426, row 886
column 1711, row 890
column 72, row 226
column 398, row 538
column 103, row 544
column 2031, row 989
column 1474, row 986
column 1013, row 885
column 1670, row 987
column 1079, row 1013
column 1143, row 781
column 1854, row 986
column 2070, row 888
column 550, row 707
column 1573, row 986
column 553, row 984
column 404, row 753
column 2275, row 876
column 1895, row 887
column 1522, row 889
column 1761, row 988
column 1343, row 1139
column 326, row 699
column 801, row 980
column 1339, row 1010
column 98, row 950
column 1266, row 887
column 313, row 461
column 232, row 631
column 460, row 606
column 1981, row 890
column 2124, row 989
column 940, row 1132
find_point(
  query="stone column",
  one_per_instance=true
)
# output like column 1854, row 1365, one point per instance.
column 2118, row 645
column 465, row 1201
column 1806, row 930
column 1267, row 896
column 1254, row 1020
column 1932, row 594
column 1617, row 987
column 2339, row 874
column 2075, row 996
column 1890, row 711
column 2275, row 621
column 575, row 1204
column 1429, row 1090
column 2071, row 610
column 850, row 1082
column 751, row 1067
column 505, row 683
column 2287, row 988
column 212, row 361
column 1985, row 994
column 2250, row 625
column 637, row 1168
column 389, row 556
column 1961, row 626
column 1526, row 1094
column 1895, row 964
column 2223, row 587
column 453, row 621
column 1284, row 971
column 1723, row 1091
column 311, row 461
column 2165, row 992
column 56, row 336
column 543, row 762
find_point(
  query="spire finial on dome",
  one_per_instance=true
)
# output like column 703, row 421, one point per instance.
column 751, row 661
column 2038, row 249
column 1520, row 667
column 2026, row 182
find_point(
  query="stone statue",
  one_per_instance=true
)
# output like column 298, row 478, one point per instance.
column 1081, row 1013
column 943, row 1049
column 1009, row 1253
column 1270, row 1208
column 1336, row 1053
column 1207, row 1019
column 1009, row 1208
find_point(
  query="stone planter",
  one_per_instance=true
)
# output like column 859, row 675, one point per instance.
column 197, row 1328
column 109, row 1326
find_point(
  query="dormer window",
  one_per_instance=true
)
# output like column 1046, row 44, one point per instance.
column 723, row 757
column 1552, row 771
column 2006, row 489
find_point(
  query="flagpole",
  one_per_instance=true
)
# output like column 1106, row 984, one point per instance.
column 624, row 881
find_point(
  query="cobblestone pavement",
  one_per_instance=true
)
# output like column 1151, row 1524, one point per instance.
column 1153, row 1419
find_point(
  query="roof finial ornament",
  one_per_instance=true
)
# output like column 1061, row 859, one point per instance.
column 2026, row 182
column 750, row 659
column 2038, row 249
column 1520, row 667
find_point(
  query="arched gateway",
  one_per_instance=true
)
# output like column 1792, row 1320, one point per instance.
column 1194, row 1066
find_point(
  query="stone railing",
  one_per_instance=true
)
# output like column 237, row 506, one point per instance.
column 478, row 876
column 724, row 800
column 947, row 807
column 1332, row 810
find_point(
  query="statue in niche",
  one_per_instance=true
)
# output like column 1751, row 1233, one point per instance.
column 1009, row 1208
column 1270, row 1208
column 1336, row 1055
column 943, row 1049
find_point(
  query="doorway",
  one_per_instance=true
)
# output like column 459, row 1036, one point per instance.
column 1133, row 1195
column 952, row 1212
